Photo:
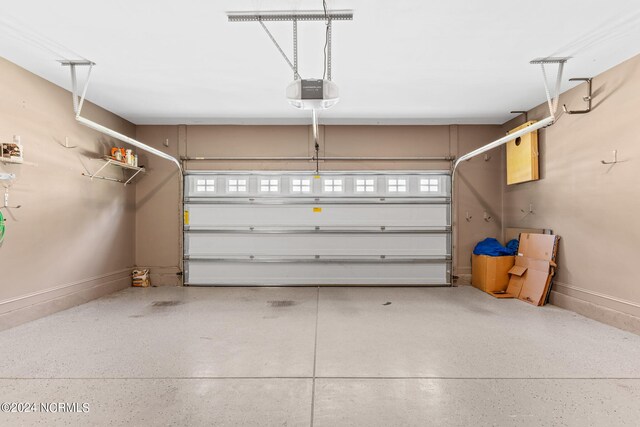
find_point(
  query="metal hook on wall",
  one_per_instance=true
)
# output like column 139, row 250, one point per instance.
column 468, row 217
column 615, row 159
column 66, row 143
column 586, row 99
column 6, row 200
column 530, row 210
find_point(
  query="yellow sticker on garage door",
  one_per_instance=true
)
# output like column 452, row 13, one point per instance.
column 317, row 209
column 186, row 217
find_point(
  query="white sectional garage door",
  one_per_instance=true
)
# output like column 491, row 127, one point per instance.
column 337, row 228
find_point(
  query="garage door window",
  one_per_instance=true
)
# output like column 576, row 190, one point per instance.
column 397, row 185
column 269, row 185
column 300, row 185
column 206, row 185
column 429, row 185
column 332, row 185
column 237, row 186
column 366, row 185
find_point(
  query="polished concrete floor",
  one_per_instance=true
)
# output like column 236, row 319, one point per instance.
column 321, row 357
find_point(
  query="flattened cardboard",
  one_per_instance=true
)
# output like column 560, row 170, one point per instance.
column 490, row 274
column 538, row 246
column 534, row 288
column 518, row 270
column 515, row 280
column 537, row 252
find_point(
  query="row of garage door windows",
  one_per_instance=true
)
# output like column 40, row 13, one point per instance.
column 329, row 185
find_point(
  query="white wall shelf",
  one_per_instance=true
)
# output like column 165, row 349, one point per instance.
column 11, row 160
column 124, row 166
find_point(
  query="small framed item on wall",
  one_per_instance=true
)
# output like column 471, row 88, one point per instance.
column 12, row 151
column 522, row 157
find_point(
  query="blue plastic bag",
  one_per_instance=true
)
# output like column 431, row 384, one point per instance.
column 492, row 247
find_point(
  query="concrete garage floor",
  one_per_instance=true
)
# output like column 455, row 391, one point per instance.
column 327, row 357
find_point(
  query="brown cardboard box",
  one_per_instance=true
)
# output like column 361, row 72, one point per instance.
column 530, row 277
column 491, row 273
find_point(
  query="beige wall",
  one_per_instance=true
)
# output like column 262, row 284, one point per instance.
column 593, row 207
column 73, row 239
column 157, row 200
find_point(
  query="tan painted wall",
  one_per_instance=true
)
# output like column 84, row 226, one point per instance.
column 72, row 238
column 158, row 215
column 593, row 207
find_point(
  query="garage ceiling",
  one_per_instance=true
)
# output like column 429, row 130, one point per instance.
column 400, row 62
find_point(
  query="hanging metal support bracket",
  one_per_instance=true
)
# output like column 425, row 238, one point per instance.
column 296, row 75
column 294, row 17
column 293, row 67
column 552, row 99
column 78, row 101
column 329, row 30
column 586, row 99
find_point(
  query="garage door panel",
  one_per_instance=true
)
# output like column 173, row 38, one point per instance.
column 410, row 215
column 301, row 273
column 310, row 243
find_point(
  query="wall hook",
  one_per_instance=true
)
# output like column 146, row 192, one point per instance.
column 586, row 99
column 528, row 212
column 6, row 201
column 615, row 159
column 66, row 143
column 486, row 216
column 487, row 157
column 468, row 217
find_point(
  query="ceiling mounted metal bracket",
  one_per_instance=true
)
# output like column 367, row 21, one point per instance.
column 552, row 99
column 294, row 17
column 306, row 15
column 72, row 64
column 586, row 99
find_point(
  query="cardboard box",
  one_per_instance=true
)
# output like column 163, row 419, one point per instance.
column 534, row 267
column 491, row 273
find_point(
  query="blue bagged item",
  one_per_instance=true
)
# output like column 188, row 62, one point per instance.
column 512, row 245
column 492, row 247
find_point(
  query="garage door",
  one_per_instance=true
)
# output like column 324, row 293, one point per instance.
column 338, row 228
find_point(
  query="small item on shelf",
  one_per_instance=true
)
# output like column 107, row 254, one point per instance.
column 125, row 156
column 12, row 151
column 116, row 153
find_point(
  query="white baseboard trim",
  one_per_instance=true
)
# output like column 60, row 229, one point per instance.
column 18, row 310
column 598, row 298
column 597, row 312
